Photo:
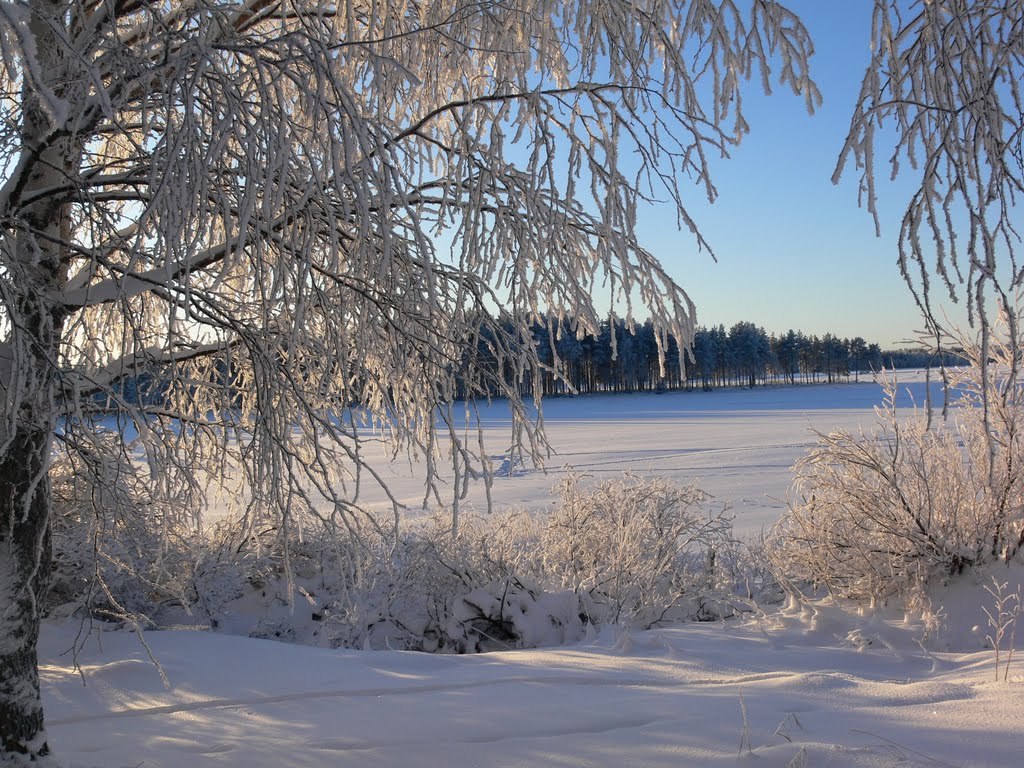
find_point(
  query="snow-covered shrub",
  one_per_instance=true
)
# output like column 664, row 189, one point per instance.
column 121, row 551
column 311, row 583
column 887, row 512
column 745, row 578
column 513, row 613
column 479, row 564
column 637, row 550
column 632, row 551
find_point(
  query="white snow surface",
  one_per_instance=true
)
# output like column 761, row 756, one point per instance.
column 666, row 697
column 737, row 444
column 812, row 686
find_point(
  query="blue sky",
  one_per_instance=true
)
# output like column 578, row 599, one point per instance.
column 794, row 250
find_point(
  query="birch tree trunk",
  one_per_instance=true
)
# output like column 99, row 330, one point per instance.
column 28, row 365
column 25, row 572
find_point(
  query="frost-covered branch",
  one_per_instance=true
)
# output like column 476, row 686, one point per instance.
column 943, row 90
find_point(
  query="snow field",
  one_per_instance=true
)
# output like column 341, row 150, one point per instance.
column 812, row 686
column 667, row 697
column 738, row 445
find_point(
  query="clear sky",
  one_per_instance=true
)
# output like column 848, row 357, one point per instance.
column 794, row 250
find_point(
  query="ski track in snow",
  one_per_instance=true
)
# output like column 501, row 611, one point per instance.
column 407, row 690
column 578, row 461
column 606, row 725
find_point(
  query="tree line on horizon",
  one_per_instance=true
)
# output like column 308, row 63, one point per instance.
column 745, row 355
column 620, row 359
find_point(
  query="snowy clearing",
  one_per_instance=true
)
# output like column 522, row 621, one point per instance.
column 813, row 688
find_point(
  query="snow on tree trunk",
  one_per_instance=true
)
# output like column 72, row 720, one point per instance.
column 24, row 577
column 28, row 376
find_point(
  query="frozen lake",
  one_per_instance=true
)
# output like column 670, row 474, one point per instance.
column 736, row 444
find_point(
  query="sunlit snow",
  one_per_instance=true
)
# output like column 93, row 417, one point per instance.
column 736, row 444
column 811, row 687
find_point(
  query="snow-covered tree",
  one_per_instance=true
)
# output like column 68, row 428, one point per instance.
column 238, row 231
column 941, row 103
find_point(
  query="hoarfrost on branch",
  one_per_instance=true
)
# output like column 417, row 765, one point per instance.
column 248, row 231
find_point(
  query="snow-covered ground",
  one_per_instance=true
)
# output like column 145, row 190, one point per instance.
column 820, row 688
column 668, row 697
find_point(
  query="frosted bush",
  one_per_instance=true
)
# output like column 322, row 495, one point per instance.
column 631, row 551
column 637, row 550
column 120, row 549
column 885, row 513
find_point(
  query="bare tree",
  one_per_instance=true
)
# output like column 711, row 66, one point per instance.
column 243, row 230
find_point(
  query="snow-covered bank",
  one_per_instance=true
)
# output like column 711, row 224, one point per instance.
column 667, row 697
